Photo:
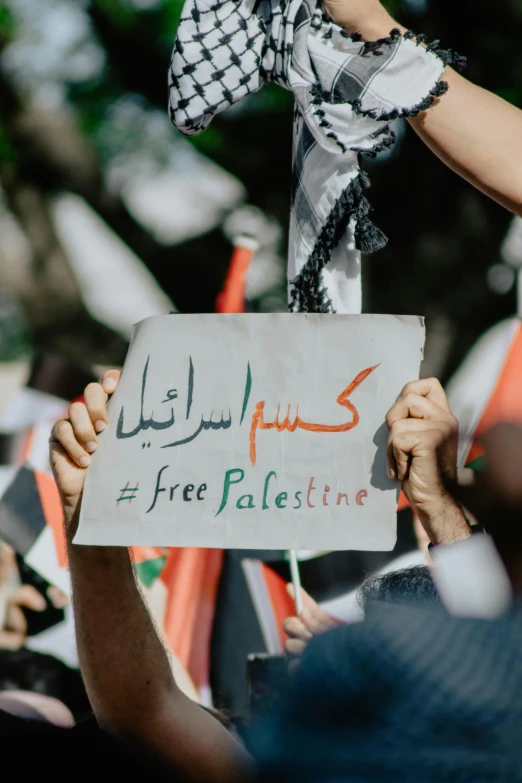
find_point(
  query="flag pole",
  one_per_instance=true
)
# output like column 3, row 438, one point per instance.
column 296, row 580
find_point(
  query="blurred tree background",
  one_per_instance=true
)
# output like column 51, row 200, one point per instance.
column 103, row 202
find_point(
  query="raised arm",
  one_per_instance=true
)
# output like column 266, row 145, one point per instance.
column 474, row 132
column 124, row 665
column 422, row 453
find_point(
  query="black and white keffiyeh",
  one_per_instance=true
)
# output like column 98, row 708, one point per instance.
column 346, row 94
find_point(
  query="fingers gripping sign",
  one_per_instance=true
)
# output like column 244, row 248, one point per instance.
column 421, row 408
column 73, row 440
column 422, row 452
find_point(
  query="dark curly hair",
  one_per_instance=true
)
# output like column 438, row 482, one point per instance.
column 407, row 586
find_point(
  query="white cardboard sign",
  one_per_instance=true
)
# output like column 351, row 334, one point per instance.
column 253, row 431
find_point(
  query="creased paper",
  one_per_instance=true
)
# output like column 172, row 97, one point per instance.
column 252, row 431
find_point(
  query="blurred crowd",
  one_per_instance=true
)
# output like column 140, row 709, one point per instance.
column 197, row 664
column 412, row 676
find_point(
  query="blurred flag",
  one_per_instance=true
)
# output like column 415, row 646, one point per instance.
column 487, row 388
column 271, row 601
column 231, row 298
column 52, row 382
column 191, row 577
column 31, row 522
column 149, row 562
column 30, row 510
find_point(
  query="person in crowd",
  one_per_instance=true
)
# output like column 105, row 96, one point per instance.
column 422, row 431
column 473, row 131
column 413, row 585
column 13, row 600
column 355, row 672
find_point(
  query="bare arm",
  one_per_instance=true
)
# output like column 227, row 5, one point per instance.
column 473, row 131
column 477, row 134
column 125, row 667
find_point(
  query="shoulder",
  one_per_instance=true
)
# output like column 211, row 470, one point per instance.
column 413, row 645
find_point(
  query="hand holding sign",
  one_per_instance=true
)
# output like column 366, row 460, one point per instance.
column 422, row 453
column 73, row 440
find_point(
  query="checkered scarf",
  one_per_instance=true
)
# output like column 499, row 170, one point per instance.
column 346, row 93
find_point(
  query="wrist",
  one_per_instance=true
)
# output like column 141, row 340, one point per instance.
column 71, row 518
column 444, row 523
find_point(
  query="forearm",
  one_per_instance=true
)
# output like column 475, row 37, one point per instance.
column 123, row 662
column 444, row 523
column 125, row 667
column 473, row 131
column 128, row 676
column 477, row 134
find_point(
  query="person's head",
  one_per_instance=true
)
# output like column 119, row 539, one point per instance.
column 407, row 586
column 44, row 675
column 36, row 707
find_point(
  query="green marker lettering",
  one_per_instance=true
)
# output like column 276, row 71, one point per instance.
column 249, row 502
column 265, row 491
column 227, row 484
column 280, row 499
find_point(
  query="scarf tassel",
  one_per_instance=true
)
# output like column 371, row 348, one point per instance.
column 307, row 293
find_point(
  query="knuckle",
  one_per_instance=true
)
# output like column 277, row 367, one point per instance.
column 445, row 429
column 76, row 408
column 92, row 389
column 411, row 398
column 295, row 646
column 318, row 625
column 409, row 388
column 395, row 428
column 402, row 445
column 396, row 435
column 60, row 427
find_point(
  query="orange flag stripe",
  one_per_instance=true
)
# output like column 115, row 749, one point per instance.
column 199, row 661
column 283, row 605
column 232, row 297
column 52, row 509
column 505, row 404
column 191, row 576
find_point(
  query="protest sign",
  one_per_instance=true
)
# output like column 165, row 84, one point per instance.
column 252, row 431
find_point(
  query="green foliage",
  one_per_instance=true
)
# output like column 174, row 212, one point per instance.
column 171, row 16
column 211, row 142
column 159, row 22
column 14, row 333
column 119, row 12
column 7, row 24
column 92, row 101
column 7, row 151
column 443, row 236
